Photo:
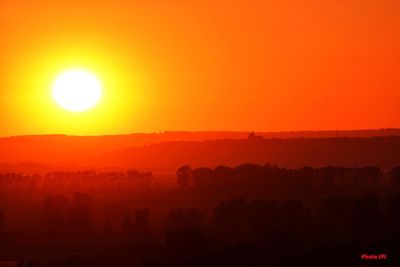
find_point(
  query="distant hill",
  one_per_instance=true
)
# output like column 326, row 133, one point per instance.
column 296, row 152
column 172, row 149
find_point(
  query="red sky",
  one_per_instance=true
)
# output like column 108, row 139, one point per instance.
column 203, row 65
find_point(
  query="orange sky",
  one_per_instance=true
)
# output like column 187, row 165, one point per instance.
column 202, row 65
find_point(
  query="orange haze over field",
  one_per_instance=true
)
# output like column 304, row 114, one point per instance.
column 202, row 65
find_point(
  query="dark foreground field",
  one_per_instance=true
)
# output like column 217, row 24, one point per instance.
column 250, row 215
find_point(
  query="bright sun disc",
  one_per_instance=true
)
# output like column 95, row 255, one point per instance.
column 77, row 90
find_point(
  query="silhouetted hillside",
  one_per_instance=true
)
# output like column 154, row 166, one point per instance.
column 376, row 151
column 173, row 149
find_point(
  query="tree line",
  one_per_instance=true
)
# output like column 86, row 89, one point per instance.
column 69, row 182
column 255, row 178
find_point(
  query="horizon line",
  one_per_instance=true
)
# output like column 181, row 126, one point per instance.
column 202, row 131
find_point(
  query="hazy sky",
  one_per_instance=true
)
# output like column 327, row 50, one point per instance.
column 202, row 65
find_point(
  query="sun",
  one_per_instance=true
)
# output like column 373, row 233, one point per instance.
column 77, row 90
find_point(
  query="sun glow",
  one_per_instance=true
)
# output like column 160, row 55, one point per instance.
column 77, row 90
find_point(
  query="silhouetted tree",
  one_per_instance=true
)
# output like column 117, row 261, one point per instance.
column 304, row 179
column 393, row 216
column 395, row 176
column 203, row 178
column 79, row 221
column 231, row 220
column 185, row 219
column 185, row 235
column 24, row 263
column 327, row 176
column 334, row 219
column 188, row 244
column 2, row 222
column 127, row 227
column 184, row 176
column 371, row 174
column 81, row 200
column 368, row 219
column 2, row 217
column 79, row 217
column 141, row 226
column 55, row 216
column 107, row 233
